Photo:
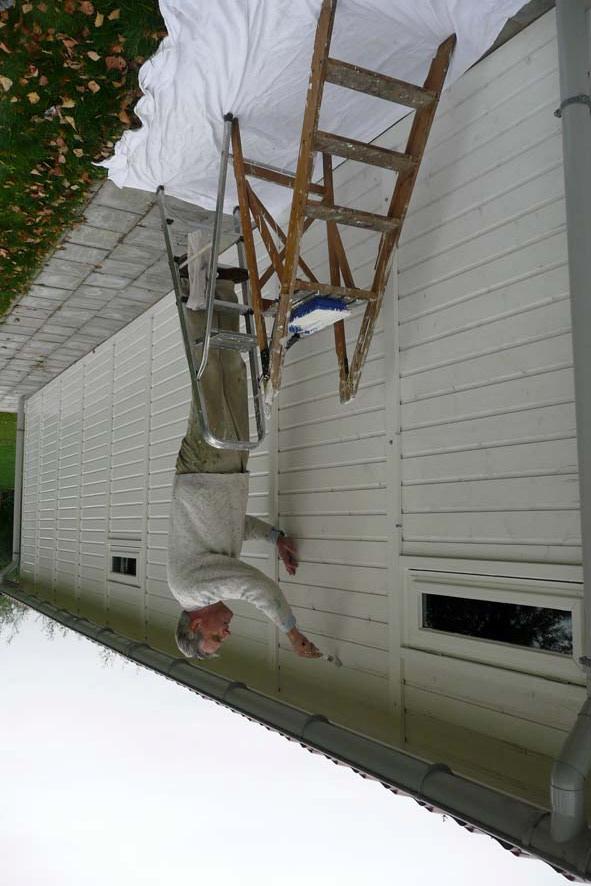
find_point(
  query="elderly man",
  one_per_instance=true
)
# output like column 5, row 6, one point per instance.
column 208, row 521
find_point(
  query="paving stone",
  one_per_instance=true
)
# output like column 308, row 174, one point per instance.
column 88, row 235
column 146, row 296
column 110, row 219
column 135, row 254
column 121, row 310
column 127, row 269
column 91, row 255
column 157, row 278
column 147, row 238
column 107, row 281
column 72, row 317
column 64, row 274
column 130, row 199
column 46, row 294
column 101, row 326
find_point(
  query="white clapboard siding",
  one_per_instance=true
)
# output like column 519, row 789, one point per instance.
column 489, row 467
column 332, row 488
column 30, row 506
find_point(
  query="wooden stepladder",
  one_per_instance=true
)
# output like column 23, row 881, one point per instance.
column 312, row 201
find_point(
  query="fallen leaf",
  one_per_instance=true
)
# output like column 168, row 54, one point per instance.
column 113, row 16
column 93, row 56
column 33, row 97
column 5, row 48
column 43, row 81
column 68, row 103
column 26, row 7
column 93, row 86
column 78, row 152
column 115, row 63
column 42, row 7
column 71, row 121
column 99, row 20
column 5, row 83
column 61, row 159
column 86, row 7
column 13, row 99
column 117, row 47
column 124, row 117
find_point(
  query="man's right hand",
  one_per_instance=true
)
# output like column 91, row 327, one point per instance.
column 302, row 646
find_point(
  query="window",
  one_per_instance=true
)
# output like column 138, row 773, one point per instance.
column 532, row 625
column 535, row 627
column 124, row 565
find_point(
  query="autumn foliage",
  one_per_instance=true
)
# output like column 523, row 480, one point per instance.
column 68, row 82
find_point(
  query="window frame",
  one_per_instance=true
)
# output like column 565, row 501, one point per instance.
column 504, row 589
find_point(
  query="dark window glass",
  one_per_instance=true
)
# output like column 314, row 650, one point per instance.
column 533, row 626
column 124, row 565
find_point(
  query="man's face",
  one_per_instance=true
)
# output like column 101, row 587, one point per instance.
column 214, row 625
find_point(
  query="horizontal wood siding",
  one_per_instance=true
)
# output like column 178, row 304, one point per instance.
column 489, row 465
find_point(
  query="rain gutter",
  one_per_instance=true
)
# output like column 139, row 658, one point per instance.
column 571, row 769
column 509, row 819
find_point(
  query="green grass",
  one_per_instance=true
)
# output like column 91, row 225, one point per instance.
column 7, row 449
column 68, row 79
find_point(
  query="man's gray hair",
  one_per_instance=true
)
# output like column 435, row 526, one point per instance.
column 189, row 641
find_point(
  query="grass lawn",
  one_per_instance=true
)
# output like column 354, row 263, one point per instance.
column 7, row 449
column 68, row 79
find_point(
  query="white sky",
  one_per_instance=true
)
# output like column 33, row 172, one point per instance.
column 114, row 775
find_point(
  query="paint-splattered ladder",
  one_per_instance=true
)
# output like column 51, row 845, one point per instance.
column 287, row 262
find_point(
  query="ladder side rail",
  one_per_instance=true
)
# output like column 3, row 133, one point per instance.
column 265, row 233
column 215, row 245
column 249, row 247
column 255, row 376
column 301, row 186
column 340, row 343
column 199, row 401
column 398, row 207
column 260, row 208
column 268, row 273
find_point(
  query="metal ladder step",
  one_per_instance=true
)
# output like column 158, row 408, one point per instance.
column 353, row 217
column 226, row 340
column 352, row 149
column 379, row 85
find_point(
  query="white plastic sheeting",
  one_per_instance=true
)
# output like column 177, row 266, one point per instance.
column 252, row 58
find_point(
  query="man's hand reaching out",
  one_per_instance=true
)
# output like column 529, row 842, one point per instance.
column 286, row 549
column 302, row 646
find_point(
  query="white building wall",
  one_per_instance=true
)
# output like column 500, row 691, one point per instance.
column 453, row 471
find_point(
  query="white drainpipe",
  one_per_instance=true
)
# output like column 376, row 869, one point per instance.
column 572, row 16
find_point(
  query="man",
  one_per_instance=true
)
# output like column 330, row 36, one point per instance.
column 208, row 521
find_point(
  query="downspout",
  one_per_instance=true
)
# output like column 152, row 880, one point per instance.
column 14, row 564
column 567, row 789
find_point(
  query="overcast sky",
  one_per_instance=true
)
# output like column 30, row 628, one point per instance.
column 110, row 774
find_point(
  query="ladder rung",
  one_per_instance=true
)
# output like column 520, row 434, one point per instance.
column 329, row 143
column 372, row 83
column 231, row 341
column 353, row 217
column 341, row 291
column 277, row 176
column 232, row 307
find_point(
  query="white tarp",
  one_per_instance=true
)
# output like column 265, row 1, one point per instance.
column 252, row 58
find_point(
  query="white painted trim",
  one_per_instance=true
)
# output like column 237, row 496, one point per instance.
column 556, row 595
